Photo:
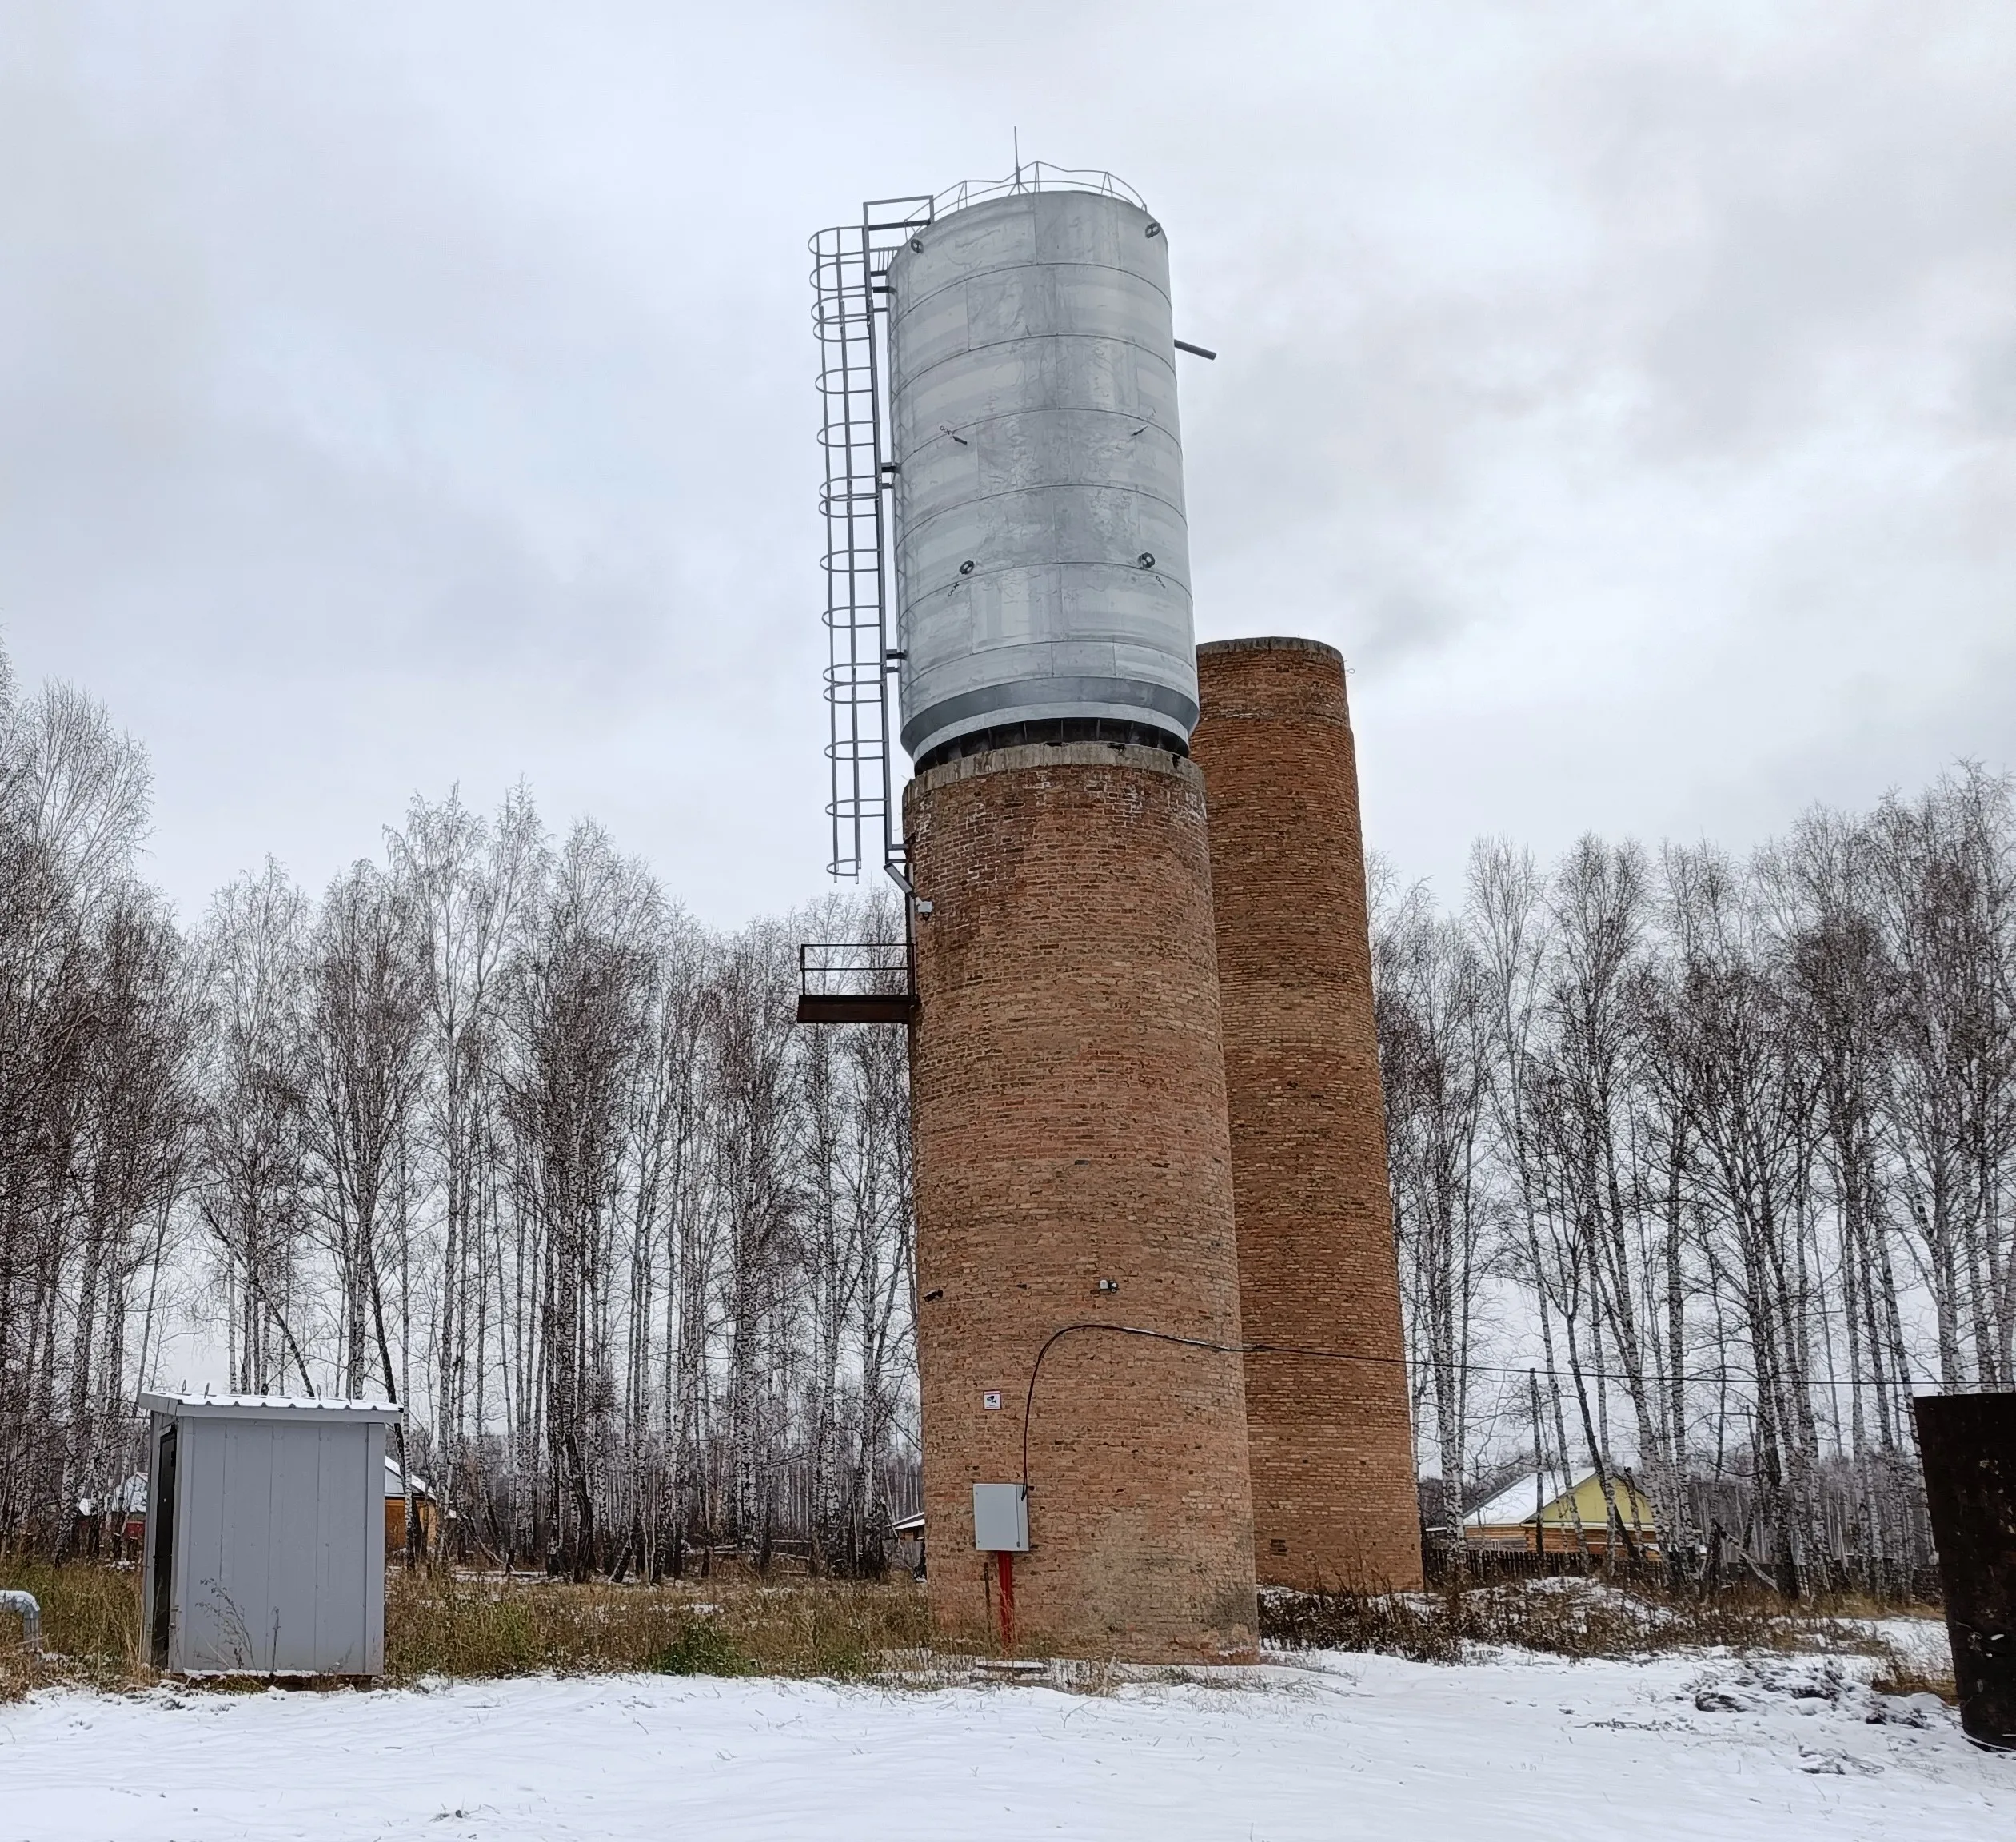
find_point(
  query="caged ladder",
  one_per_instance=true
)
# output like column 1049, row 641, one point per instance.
column 859, row 982
column 850, row 284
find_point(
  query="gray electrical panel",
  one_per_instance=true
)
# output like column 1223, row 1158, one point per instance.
column 1001, row 1518
column 265, row 1535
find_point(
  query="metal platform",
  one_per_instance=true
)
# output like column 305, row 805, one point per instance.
column 855, row 1007
column 857, row 982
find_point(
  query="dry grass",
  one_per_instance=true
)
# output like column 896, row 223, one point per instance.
column 468, row 1626
column 90, row 1628
column 473, row 1626
column 1901, row 1677
column 1561, row 1617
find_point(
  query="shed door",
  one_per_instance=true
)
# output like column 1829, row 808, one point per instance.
column 161, row 1522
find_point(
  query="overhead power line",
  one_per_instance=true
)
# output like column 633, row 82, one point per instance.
column 1321, row 1355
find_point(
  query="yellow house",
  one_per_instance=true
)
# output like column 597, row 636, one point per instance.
column 424, row 1508
column 1535, row 1515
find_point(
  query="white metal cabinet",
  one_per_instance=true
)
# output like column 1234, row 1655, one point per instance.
column 265, row 1535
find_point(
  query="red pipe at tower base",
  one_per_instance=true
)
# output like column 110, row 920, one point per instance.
column 1004, row 1572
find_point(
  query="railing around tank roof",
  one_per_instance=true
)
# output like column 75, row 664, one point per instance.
column 1035, row 176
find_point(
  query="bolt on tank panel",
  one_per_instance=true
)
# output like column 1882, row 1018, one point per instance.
column 1042, row 555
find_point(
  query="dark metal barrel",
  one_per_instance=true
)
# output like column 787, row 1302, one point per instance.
column 1968, row 1442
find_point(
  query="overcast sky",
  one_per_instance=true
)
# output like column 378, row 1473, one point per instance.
column 394, row 396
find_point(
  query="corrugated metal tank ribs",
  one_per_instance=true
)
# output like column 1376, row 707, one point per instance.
column 1042, row 560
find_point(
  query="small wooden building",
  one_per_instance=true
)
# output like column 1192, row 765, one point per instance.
column 427, row 1511
column 125, row 1519
column 1534, row 1515
column 908, row 1538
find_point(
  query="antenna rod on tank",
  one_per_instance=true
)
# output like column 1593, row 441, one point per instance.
column 1017, row 134
column 1197, row 351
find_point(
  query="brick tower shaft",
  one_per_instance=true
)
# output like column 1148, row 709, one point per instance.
column 1330, row 1450
column 1072, row 1168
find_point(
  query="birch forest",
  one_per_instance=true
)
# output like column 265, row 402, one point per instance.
column 490, row 1128
column 1710, row 1163
column 1702, row 1166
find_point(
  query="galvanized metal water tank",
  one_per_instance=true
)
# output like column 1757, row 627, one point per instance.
column 1042, row 558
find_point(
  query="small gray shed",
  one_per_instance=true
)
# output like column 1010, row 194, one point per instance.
column 265, row 1535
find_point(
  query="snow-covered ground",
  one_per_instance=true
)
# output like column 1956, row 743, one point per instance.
column 1332, row 1746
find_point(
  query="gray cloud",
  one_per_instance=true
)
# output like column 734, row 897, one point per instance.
column 391, row 397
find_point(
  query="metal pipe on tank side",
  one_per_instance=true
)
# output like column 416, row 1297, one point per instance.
column 1004, row 1572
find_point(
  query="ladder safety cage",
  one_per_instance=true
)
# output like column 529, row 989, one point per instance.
column 850, row 286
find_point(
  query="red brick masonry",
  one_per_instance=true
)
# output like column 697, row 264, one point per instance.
column 1331, row 1451
column 1070, row 1127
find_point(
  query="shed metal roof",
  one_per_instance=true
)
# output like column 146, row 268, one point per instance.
column 396, row 1481
column 267, row 1407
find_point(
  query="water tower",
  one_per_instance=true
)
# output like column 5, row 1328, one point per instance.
column 1031, row 591
column 1008, row 549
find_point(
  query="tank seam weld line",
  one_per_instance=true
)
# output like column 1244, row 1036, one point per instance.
column 1048, row 486
column 912, row 379
column 1022, row 268
column 982, row 574
column 944, row 431
column 1056, row 486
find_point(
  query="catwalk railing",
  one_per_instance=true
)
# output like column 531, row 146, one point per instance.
column 856, row 981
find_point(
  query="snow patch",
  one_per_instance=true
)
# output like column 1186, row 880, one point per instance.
column 1321, row 1746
